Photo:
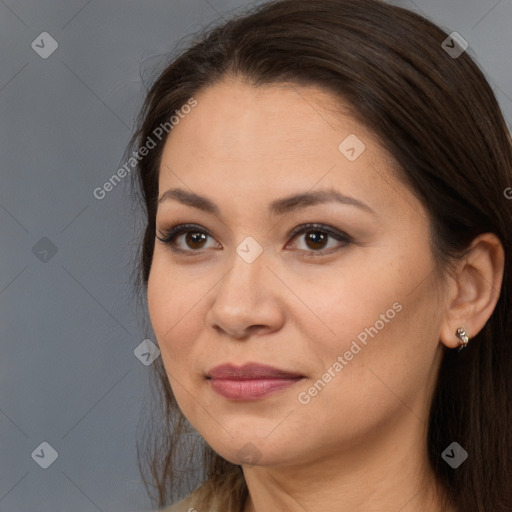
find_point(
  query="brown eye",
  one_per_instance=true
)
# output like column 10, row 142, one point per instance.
column 316, row 239
column 195, row 240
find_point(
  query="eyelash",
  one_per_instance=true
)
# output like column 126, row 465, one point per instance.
column 169, row 236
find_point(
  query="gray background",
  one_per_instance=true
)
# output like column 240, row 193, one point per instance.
column 69, row 328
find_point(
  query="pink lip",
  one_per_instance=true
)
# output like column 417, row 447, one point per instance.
column 251, row 381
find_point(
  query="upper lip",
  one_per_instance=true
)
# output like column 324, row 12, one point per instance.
column 250, row 371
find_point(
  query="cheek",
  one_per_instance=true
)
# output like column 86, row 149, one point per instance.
column 165, row 312
column 377, row 319
column 174, row 305
column 348, row 301
column 362, row 386
column 387, row 361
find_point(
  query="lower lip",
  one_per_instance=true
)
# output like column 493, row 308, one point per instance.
column 251, row 389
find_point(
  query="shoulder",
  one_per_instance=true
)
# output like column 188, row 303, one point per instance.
column 189, row 504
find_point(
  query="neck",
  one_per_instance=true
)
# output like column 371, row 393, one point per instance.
column 386, row 472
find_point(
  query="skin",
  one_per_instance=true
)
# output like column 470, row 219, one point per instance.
column 359, row 444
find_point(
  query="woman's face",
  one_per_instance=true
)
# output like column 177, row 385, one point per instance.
column 357, row 318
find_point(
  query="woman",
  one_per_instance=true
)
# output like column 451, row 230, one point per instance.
column 327, row 265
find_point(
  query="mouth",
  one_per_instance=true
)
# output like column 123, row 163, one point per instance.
column 251, row 381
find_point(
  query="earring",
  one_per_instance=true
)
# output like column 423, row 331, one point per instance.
column 461, row 334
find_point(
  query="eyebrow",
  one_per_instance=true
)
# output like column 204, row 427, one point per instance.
column 276, row 207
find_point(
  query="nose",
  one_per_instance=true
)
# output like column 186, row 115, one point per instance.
column 247, row 300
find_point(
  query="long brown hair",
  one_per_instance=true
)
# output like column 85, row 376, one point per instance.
column 439, row 118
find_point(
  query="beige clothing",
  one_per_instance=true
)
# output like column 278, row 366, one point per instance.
column 188, row 503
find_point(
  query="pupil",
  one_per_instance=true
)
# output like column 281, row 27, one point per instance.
column 195, row 237
column 316, row 237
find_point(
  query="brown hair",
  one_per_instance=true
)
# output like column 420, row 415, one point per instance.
column 439, row 118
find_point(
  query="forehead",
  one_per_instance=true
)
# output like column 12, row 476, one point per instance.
column 272, row 137
column 234, row 119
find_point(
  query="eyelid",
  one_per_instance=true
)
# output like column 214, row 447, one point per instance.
column 315, row 226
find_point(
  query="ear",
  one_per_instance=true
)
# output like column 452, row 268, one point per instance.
column 475, row 289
